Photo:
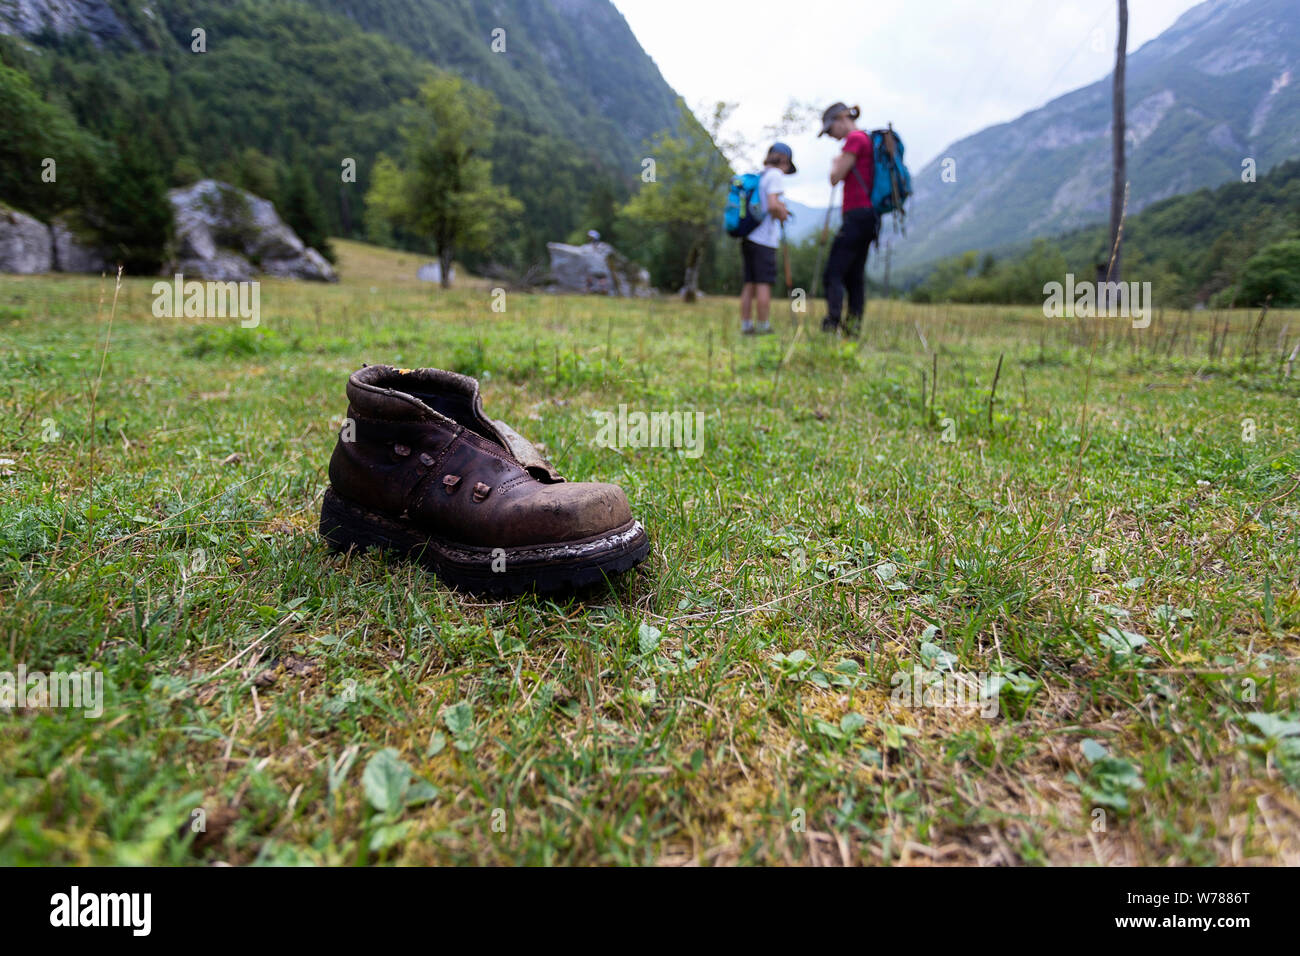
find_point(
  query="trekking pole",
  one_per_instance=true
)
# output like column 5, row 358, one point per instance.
column 785, row 254
column 821, row 243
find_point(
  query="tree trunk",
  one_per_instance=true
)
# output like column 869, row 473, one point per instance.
column 444, row 264
column 691, row 281
column 1114, row 270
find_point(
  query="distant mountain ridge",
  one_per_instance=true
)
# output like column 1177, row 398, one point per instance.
column 807, row 221
column 1220, row 86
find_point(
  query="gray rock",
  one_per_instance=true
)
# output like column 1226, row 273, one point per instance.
column 26, row 245
column 432, row 272
column 194, row 238
column 62, row 17
column 71, row 254
column 309, row 265
column 222, row 266
column 598, row 268
column 213, row 217
column 210, row 215
column 275, row 240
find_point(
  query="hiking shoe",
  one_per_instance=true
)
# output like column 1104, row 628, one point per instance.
column 830, row 325
column 419, row 469
column 764, row 330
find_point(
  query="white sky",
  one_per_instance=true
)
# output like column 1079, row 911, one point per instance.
column 938, row 69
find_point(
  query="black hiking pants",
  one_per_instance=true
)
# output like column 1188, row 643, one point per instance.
column 847, row 264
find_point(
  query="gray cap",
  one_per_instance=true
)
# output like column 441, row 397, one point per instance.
column 832, row 111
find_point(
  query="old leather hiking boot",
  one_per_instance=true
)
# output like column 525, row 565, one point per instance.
column 419, row 469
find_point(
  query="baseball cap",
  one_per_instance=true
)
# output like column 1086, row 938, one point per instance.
column 832, row 111
column 784, row 150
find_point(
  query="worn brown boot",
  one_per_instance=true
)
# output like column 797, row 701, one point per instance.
column 419, row 469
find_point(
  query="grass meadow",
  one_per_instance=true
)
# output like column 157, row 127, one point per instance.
column 1088, row 576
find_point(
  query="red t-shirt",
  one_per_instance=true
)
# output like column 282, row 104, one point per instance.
column 855, row 197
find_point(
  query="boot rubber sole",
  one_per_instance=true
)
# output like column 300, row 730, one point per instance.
column 571, row 566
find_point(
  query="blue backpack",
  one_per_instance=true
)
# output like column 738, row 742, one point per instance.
column 891, row 182
column 743, row 212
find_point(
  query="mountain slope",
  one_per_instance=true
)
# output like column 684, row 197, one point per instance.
column 310, row 83
column 570, row 68
column 1219, row 86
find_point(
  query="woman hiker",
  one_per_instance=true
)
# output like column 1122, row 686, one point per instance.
column 847, row 262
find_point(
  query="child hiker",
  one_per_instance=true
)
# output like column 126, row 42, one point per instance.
column 758, row 249
column 847, row 262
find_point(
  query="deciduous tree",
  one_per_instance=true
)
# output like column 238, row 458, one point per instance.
column 443, row 190
column 689, row 187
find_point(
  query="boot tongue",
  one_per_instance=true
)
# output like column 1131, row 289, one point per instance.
column 519, row 447
column 526, row 454
column 432, row 394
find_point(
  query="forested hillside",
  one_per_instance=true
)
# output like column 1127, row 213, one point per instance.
column 571, row 68
column 289, row 89
column 1235, row 244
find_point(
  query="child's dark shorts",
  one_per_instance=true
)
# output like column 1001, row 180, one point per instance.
column 760, row 262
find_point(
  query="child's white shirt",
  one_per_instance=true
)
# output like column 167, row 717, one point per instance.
column 771, row 183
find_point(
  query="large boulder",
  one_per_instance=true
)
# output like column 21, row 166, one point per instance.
column 216, row 221
column 432, row 272
column 221, row 266
column 25, row 243
column 596, row 267
column 72, row 252
column 310, row 264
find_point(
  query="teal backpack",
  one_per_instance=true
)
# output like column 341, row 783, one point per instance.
column 891, row 182
column 743, row 212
